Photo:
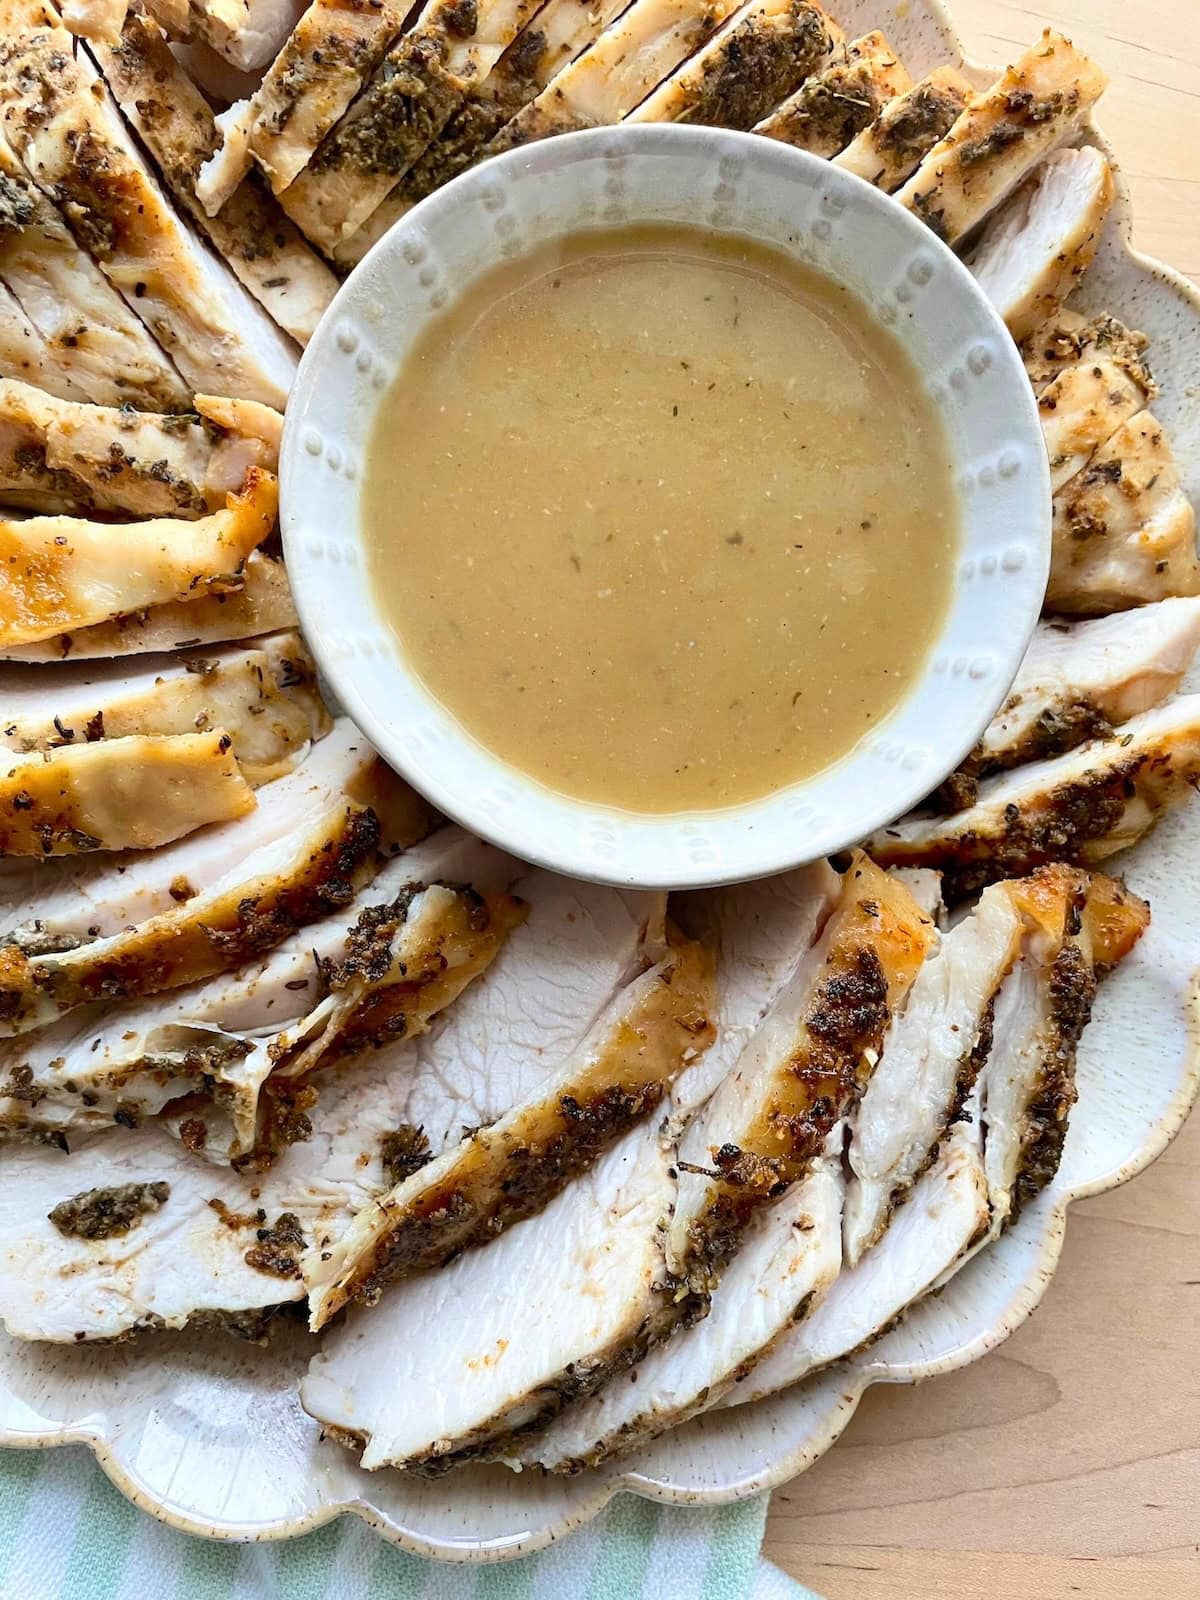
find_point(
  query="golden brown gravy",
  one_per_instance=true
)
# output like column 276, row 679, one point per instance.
column 662, row 518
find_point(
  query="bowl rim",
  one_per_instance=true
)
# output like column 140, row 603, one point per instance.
column 520, row 815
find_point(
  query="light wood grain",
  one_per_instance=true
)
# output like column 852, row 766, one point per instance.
column 1067, row 1463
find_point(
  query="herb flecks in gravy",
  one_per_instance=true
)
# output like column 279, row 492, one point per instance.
column 665, row 520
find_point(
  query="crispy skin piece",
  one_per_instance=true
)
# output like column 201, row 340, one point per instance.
column 891, row 148
column 261, row 603
column 1039, row 245
column 1077, row 682
column 800, row 1072
column 119, row 794
column 513, row 1167
column 833, row 107
column 61, row 573
column 420, row 84
column 264, row 696
column 1081, row 807
column 1033, row 107
column 251, row 232
column 1124, row 528
column 761, row 53
column 330, row 54
column 60, row 455
column 616, row 73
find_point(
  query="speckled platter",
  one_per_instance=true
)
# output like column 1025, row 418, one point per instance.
column 207, row 1433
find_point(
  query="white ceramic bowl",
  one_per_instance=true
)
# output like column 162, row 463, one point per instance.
column 814, row 212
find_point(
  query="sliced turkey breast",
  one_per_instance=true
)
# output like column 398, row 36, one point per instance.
column 121, row 794
column 1080, row 807
column 890, row 149
column 94, row 19
column 1041, row 242
column 420, row 83
column 1032, row 108
column 246, row 33
column 130, row 1230
column 263, row 696
column 555, row 35
column 250, row 231
column 60, row 573
column 227, row 165
column 72, row 141
column 1124, row 527
column 102, row 1065
column 330, row 53
column 65, row 903
column 1069, row 339
column 968, row 1195
column 1079, row 681
column 261, row 603
column 834, row 106
column 224, row 896
column 504, row 1356
column 788, row 1259
column 616, row 73
column 58, row 455
column 512, row 1168
column 934, row 1230
column 95, row 338
column 1081, row 409
column 24, row 353
column 800, row 1071
column 759, row 56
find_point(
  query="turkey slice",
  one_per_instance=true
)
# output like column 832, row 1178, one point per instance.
column 226, row 166
column 232, row 892
column 513, row 1167
column 1041, row 242
column 1033, row 107
column 261, row 603
column 1078, row 681
column 1069, row 339
column 62, row 573
column 800, row 1071
column 246, row 33
column 249, row 230
column 1082, row 408
column 331, row 52
column 72, row 141
column 1080, row 807
column 788, row 1259
column 95, row 338
column 835, row 105
column 556, row 35
column 759, row 56
column 24, row 353
column 616, row 73
column 420, row 83
column 101, row 1065
column 94, row 19
column 1124, row 527
column 59, row 455
column 890, row 149
column 264, row 696
column 122, row 794
column 151, row 1236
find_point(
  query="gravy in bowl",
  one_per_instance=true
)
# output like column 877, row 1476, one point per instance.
column 663, row 518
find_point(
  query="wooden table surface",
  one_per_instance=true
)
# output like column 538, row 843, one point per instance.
column 1067, row 1463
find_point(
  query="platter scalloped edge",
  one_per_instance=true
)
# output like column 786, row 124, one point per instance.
column 207, row 1434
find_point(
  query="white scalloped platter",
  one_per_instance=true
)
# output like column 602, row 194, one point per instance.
column 207, row 1433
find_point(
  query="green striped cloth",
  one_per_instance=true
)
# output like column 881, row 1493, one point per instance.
column 67, row 1534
